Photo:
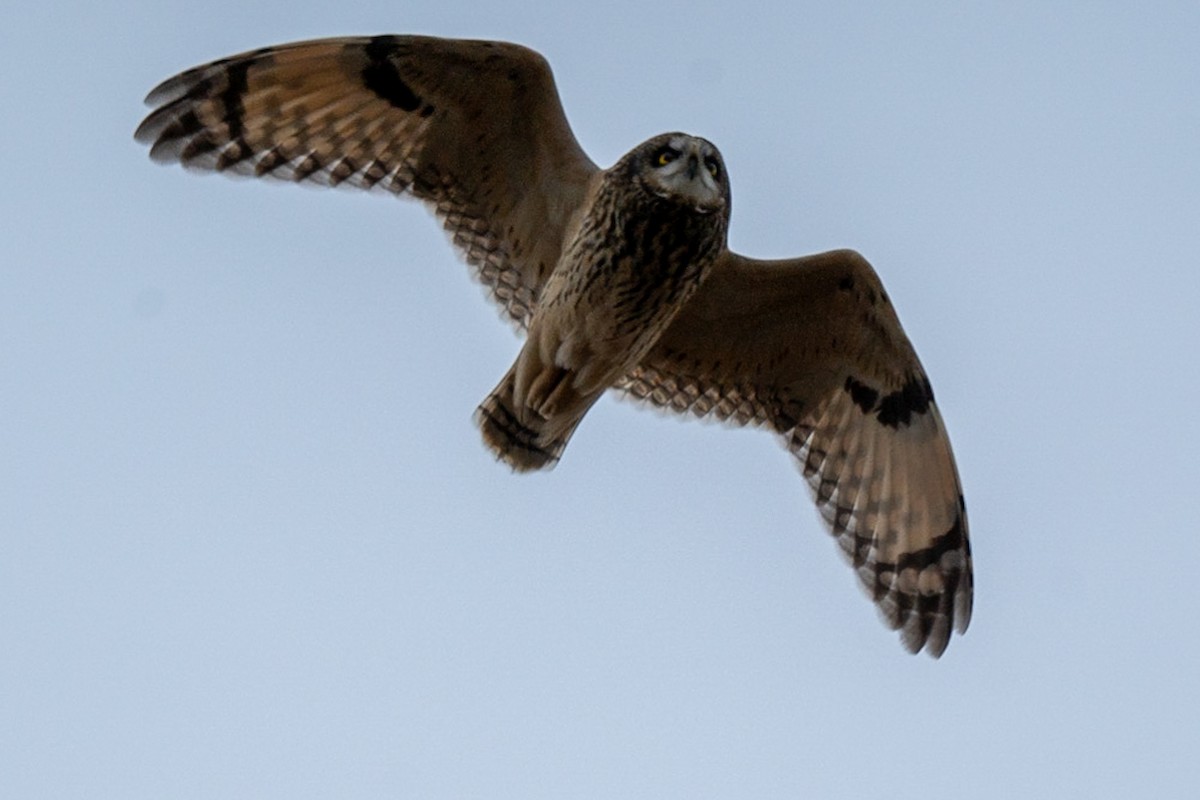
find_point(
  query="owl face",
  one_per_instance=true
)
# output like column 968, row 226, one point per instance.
column 684, row 168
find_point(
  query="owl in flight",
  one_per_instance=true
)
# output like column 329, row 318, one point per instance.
column 620, row 277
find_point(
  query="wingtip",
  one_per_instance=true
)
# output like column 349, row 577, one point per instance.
column 164, row 151
column 158, row 123
column 147, row 130
column 169, row 90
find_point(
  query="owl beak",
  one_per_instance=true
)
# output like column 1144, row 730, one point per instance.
column 693, row 166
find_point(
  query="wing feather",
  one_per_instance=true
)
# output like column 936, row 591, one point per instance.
column 812, row 348
column 475, row 129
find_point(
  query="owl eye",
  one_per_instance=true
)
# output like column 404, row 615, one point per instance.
column 713, row 167
column 666, row 156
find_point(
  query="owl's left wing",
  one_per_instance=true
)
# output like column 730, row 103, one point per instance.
column 812, row 348
column 473, row 128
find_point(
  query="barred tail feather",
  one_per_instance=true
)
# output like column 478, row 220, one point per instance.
column 524, row 441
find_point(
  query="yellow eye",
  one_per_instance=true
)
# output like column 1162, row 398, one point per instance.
column 665, row 156
column 713, row 169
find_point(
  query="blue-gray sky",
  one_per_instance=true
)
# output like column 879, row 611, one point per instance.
column 251, row 545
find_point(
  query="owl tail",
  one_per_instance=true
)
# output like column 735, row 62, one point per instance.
column 519, row 436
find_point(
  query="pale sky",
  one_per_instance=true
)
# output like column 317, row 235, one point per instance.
column 252, row 546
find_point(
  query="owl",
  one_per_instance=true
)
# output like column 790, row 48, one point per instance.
column 621, row 278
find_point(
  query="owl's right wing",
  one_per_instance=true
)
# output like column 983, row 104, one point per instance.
column 473, row 128
column 812, row 348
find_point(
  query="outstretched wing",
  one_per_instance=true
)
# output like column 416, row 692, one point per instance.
column 474, row 128
column 812, row 348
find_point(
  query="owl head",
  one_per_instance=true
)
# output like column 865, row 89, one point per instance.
column 683, row 168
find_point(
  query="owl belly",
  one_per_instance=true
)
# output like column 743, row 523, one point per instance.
column 601, row 314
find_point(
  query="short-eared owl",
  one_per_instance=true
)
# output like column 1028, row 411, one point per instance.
column 621, row 278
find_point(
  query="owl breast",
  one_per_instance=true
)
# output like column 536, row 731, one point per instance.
column 634, row 262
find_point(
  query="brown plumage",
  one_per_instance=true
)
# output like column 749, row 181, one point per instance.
column 621, row 277
column 637, row 255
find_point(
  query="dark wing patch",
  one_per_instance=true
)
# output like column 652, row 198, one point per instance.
column 899, row 407
column 381, row 76
column 863, row 396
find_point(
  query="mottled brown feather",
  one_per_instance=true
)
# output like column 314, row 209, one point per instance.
column 800, row 345
column 475, row 129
